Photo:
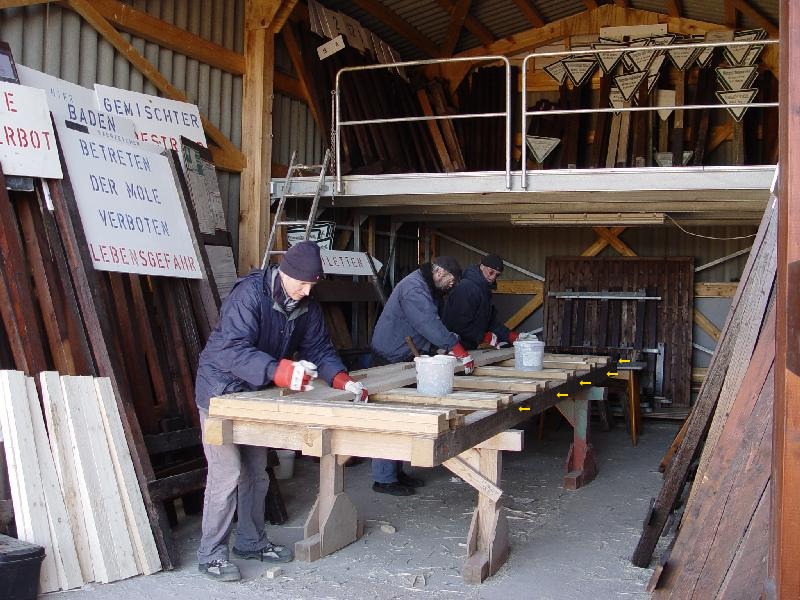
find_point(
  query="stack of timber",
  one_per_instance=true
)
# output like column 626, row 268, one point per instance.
column 144, row 333
column 483, row 91
column 406, row 147
column 73, row 484
column 721, row 546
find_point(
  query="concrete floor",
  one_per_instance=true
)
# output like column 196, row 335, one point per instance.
column 564, row 545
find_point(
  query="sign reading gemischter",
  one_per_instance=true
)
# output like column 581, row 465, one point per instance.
column 27, row 143
column 129, row 207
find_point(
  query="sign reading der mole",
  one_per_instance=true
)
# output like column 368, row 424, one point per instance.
column 75, row 103
column 129, row 207
column 27, row 143
column 158, row 120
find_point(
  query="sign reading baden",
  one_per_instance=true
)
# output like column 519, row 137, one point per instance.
column 27, row 143
column 129, row 207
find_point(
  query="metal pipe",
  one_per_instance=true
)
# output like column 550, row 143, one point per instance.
column 413, row 63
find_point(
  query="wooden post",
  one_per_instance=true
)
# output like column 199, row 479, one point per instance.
column 333, row 521
column 259, row 51
column 784, row 577
column 581, row 466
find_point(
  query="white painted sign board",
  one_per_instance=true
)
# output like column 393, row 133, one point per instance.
column 129, row 207
column 159, row 121
column 340, row 262
column 27, row 143
column 72, row 102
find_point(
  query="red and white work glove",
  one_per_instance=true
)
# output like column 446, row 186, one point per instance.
column 295, row 375
column 343, row 381
column 461, row 354
column 512, row 337
column 491, row 339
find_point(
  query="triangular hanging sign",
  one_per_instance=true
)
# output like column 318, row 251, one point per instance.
column 609, row 60
column 615, row 99
column 639, row 60
column 665, row 98
column 579, row 69
column 737, row 97
column 628, row 84
column 683, row 58
column 652, row 79
column 720, row 35
column 541, row 147
column 557, row 71
column 687, row 156
column 737, row 78
column 662, row 40
column 736, row 54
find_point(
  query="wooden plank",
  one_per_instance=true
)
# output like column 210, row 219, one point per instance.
column 141, row 535
column 109, row 540
column 475, row 400
column 27, row 491
column 474, row 382
column 436, row 134
column 457, row 18
column 560, row 374
column 704, row 323
column 715, row 290
column 524, row 312
column 485, row 487
column 61, row 449
column 676, row 474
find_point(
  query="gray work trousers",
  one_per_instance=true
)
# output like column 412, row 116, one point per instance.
column 234, row 470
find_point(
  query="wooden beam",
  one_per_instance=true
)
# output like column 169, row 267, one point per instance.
column 715, row 290
column 674, row 8
column 290, row 86
column 296, row 55
column 523, row 313
column 393, row 21
column 784, row 577
column 614, row 241
column 19, row 3
column 166, row 35
column 258, row 14
column 519, row 286
column 286, row 11
column 256, row 144
column 527, row 8
column 457, row 18
column 600, row 243
column 704, row 323
column 472, row 24
column 752, row 13
column 230, row 156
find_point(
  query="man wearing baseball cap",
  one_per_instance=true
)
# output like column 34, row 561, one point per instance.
column 469, row 311
column 267, row 319
column 412, row 313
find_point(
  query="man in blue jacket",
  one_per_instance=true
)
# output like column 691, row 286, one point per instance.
column 469, row 311
column 266, row 320
column 413, row 311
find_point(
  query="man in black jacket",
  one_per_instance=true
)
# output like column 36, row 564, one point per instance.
column 469, row 311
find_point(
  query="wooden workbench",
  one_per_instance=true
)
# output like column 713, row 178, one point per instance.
column 465, row 432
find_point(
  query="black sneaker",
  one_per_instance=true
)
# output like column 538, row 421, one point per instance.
column 269, row 553
column 394, row 489
column 409, row 481
column 220, row 570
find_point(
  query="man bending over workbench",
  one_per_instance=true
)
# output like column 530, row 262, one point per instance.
column 410, row 323
column 266, row 320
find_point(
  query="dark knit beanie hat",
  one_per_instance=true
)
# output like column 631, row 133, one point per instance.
column 449, row 264
column 302, row 262
column 493, row 262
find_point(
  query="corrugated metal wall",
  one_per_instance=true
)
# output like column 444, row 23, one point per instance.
column 57, row 41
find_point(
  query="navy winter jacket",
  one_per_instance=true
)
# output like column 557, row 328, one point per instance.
column 254, row 333
column 469, row 311
column 412, row 310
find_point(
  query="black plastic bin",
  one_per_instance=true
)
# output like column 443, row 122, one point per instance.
column 20, row 563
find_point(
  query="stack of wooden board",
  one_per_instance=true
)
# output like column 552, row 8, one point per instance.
column 75, row 492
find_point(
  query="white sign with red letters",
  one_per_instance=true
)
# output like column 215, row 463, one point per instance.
column 159, row 121
column 27, row 143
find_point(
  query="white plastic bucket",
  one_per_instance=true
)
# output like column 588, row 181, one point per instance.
column 528, row 355
column 285, row 469
column 435, row 374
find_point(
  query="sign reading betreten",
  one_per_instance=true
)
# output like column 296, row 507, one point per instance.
column 27, row 143
column 158, row 120
column 129, row 206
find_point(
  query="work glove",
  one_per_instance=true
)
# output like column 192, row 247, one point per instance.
column 295, row 375
column 461, row 354
column 513, row 336
column 490, row 339
column 343, row 381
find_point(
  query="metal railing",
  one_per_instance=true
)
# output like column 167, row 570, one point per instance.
column 655, row 48
column 413, row 63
